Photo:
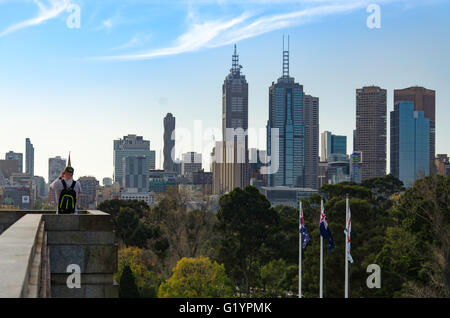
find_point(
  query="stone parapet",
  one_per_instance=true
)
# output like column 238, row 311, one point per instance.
column 41, row 247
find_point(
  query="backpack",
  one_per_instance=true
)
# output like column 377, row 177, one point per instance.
column 67, row 199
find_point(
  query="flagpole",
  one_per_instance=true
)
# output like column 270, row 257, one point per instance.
column 300, row 251
column 346, row 247
column 321, row 255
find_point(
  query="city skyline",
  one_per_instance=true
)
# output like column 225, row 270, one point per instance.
column 100, row 107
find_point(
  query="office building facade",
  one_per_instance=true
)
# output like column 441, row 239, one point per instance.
column 15, row 156
column 192, row 162
column 424, row 100
column 286, row 118
column 332, row 144
column 56, row 165
column 135, row 173
column 410, row 143
column 131, row 145
column 230, row 163
column 370, row 137
column 311, row 118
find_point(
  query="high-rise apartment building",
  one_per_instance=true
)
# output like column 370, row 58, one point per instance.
column 169, row 143
column 370, row 137
column 130, row 145
column 410, row 143
column 16, row 156
column 424, row 100
column 29, row 157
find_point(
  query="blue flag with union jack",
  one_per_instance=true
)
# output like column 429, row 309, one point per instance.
column 325, row 230
column 303, row 230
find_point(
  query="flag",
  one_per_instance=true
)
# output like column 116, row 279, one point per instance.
column 303, row 230
column 347, row 232
column 325, row 230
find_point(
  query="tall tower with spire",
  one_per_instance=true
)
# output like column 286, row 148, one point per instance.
column 293, row 115
column 231, row 167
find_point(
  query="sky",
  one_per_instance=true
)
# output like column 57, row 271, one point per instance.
column 77, row 74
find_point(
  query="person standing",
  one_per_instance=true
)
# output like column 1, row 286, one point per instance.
column 67, row 191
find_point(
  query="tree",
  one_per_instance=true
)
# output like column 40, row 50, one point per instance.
column 113, row 206
column 127, row 287
column 245, row 221
column 422, row 224
column 197, row 277
column 142, row 264
column 179, row 233
column 279, row 279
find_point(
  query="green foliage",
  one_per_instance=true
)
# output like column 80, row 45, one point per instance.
column 245, row 221
column 142, row 264
column 279, row 279
column 179, row 233
column 127, row 287
column 406, row 232
column 197, row 277
column 113, row 206
column 416, row 252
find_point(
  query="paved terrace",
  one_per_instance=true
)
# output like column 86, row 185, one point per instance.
column 36, row 248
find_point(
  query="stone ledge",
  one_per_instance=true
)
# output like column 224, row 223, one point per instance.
column 17, row 245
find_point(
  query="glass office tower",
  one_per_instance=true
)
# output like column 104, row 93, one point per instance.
column 286, row 115
column 410, row 145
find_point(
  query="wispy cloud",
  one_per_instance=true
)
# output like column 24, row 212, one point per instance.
column 46, row 12
column 108, row 23
column 215, row 33
column 135, row 41
column 196, row 38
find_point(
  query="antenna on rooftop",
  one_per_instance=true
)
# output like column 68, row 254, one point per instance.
column 286, row 58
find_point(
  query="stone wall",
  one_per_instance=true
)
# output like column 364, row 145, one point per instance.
column 86, row 240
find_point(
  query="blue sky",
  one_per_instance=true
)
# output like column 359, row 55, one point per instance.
column 131, row 62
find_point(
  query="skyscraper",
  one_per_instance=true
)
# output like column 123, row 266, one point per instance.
column 230, row 168
column 311, row 111
column 29, row 157
column 135, row 173
column 332, row 144
column 287, row 116
column 370, row 137
column 130, row 145
column 16, row 156
column 169, row 143
column 410, row 143
column 424, row 100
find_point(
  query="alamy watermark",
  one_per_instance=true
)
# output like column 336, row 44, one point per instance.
column 374, row 279
column 230, row 150
column 74, row 279
column 374, row 19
